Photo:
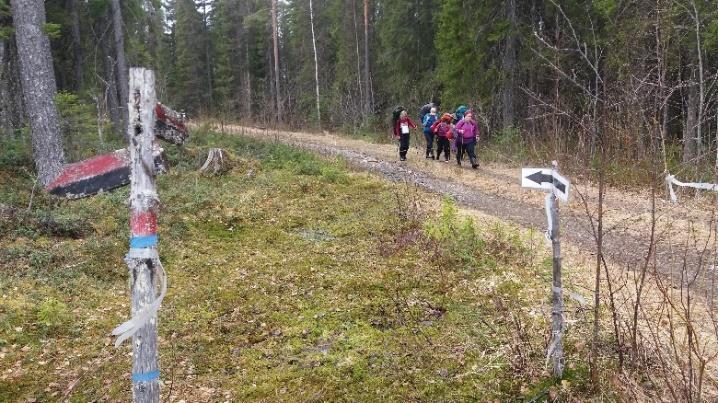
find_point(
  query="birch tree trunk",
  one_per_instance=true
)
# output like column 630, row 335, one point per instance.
column 76, row 44
column 245, row 75
column 113, row 107
column 690, row 147
column 316, row 64
column 509, row 63
column 368, row 101
column 208, row 58
column 358, row 55
column 701, row 82
column 275, row 41
column 122, row 71
column 39, row 88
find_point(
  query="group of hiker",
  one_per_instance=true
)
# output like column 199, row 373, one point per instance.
column 458, row 132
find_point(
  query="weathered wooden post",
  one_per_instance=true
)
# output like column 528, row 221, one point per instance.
column 558, row 188
column 142, row 260
column 557, row 320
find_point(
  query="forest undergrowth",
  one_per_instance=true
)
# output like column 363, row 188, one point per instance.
column 291, row 278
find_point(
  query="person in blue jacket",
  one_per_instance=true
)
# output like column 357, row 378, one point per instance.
column 428, row 121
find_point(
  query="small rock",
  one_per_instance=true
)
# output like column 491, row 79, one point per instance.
column 443, row 372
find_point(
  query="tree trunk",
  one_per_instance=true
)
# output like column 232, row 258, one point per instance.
column 39, row 88
column 368, row 101
column 5, row 125
column 15, row 103
column 690, row 145
column 208, row 61
column 122, row 71
column 316, row 64
column 113, row 106
column 275, row 41
column 509, row 64
column 358, row 55
column 76, row 44
column 701, row 83
column 244, row 74
column 151, row 31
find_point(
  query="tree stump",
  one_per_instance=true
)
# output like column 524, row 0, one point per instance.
column 217, row 162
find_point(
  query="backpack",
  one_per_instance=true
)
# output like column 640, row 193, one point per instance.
column 425, row 110
column 428, row 122
column 396, row 114
column 437, row 126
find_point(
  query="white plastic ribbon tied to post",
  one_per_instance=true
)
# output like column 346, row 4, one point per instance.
column 671, row 180
column 129, row 328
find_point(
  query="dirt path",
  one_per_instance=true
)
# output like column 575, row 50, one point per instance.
column 683, row 231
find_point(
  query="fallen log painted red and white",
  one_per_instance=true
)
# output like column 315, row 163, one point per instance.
column 109, row 171
column 98, row 174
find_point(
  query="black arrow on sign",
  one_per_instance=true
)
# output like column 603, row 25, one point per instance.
column 539, row 177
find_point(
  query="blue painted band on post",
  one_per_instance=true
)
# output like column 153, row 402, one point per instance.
column 143, row 241
column 146, row 377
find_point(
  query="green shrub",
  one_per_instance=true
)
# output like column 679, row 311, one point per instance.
column 459, row 240
column 306, row 167
column 334, row 175
column 52, row 314
column 40, row 259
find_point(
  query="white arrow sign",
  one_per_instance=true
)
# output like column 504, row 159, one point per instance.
column 545, row 178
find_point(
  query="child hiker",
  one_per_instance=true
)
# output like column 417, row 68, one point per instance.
column 428, row 121
column 467, row 132
column 402, row 130
column 443, row 130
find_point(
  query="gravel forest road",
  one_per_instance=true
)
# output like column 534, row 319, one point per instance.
column 684, row 243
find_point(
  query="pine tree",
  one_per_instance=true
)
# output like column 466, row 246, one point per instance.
column 190, row 74
column 224, row 36
column 457, row 55
column 38, row 86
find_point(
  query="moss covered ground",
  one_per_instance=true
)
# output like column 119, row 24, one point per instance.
column 292, row 278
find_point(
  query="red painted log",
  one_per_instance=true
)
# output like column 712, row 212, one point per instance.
column 169, row 125
column 98, row 174
column 109, row 171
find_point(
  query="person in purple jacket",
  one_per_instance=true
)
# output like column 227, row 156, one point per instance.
column 467, row 133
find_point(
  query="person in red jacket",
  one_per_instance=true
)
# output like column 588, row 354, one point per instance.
column 402, row 130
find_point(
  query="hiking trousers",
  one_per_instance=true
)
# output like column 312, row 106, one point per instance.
column 442, row 145
column 404, row 144
column 429, row 144
column 470, row 150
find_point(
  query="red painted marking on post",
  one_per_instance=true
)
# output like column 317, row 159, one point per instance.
column 142, row 224
column 88, row 168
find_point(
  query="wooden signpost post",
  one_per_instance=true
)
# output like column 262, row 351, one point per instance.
column 558, row 188
column 138, row 166
column 142, row 259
